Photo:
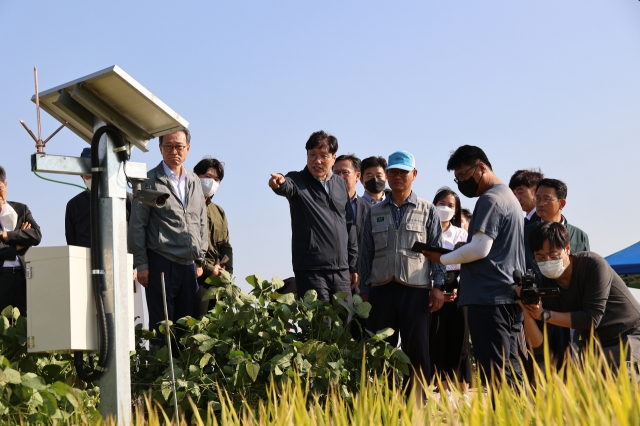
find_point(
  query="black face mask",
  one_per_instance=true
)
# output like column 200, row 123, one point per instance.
column 469, row 187
column 374, row 185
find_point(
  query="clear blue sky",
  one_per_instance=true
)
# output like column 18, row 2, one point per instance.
column 549, row 84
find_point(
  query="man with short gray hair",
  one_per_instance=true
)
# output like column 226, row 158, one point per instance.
column 172, row 238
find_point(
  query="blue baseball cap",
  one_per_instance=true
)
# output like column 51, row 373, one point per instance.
column 402, row 160
column 86, row 153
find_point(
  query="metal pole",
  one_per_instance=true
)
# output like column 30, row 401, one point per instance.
column 39, row 144
column 115, row 384
column 168, row 335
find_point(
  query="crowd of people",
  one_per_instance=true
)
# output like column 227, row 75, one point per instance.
column 459, row 286
column 436, row 299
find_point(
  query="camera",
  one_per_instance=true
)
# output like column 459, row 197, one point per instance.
column 451, row 281
column 148, row 196
column 531, row 293
column 152, row 198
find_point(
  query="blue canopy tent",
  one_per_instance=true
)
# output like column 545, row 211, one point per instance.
column 627, row 261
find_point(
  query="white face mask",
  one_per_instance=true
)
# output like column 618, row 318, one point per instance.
column 446, row 213
column 209, row 186
column 87, row 182
column 552, row 268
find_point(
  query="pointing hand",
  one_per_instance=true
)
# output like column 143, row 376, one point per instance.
column 276, row 180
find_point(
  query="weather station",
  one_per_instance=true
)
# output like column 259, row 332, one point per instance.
column 89, row 292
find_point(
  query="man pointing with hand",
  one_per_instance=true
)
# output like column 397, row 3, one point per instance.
column 324, row 245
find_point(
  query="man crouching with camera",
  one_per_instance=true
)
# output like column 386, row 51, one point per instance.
column 590, row 294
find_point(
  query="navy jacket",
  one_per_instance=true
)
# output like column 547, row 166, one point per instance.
column 323, row 237
column 362, row 209
column 534, row 219
column 77, row 219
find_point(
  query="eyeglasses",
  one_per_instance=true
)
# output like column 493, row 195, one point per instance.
column 343, row 172
column 552, row 255
column 545, row 200
column 170, row 148
column 397, row 172
column 460, row 177
column 322, row 158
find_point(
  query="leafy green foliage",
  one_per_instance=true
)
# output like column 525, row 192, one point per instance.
column 249, row 339
column 232, row 354
column 39, row 388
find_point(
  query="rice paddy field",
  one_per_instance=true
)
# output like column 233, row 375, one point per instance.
column 581, row 392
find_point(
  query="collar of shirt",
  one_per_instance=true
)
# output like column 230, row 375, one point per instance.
column 172, row 175
column 179, row 184
column 324, row 183
column 563, row 220
column 397, row 212
column 531, row 213
column 369, row 199
column 412, row 199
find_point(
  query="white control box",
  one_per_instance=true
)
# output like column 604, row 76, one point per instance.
column 62, row 311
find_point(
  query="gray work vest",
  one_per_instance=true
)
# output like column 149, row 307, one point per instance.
column 394, row 260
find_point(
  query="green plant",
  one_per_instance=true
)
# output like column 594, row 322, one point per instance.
column 35, row 387
column 582, row 392
column 632, row 280
column 249, row 339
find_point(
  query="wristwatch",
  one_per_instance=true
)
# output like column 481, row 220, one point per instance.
column 439, row 287
column 546, row 315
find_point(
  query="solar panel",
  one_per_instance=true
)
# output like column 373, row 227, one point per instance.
column 114, row 97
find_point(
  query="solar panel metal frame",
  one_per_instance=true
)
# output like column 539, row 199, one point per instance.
column 114, row 97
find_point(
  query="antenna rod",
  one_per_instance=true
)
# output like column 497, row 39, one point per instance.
column 54, row 133
column 29, row 130
column 39, row 144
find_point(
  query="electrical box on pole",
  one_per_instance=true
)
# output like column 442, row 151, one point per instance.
column 59, row 293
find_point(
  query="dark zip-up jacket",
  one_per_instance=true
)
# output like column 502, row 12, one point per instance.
column 362, row 210
column 323, row 237
column 176, row 231
column 20, row 237
column 77, row 219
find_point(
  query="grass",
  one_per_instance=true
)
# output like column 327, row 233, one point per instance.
column 586, row 392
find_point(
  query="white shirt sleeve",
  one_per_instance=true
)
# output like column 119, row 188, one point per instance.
column 478, row 248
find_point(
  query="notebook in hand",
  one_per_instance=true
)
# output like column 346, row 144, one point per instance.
column 418, row 247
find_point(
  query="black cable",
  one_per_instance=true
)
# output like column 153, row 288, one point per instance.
column 97, row 260
column 124, row 170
